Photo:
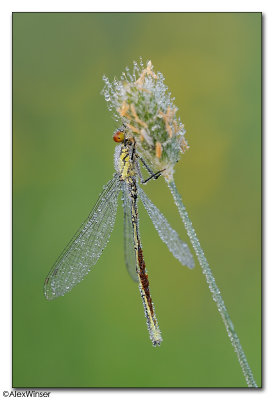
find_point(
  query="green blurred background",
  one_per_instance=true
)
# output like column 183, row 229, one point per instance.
column 62, row 156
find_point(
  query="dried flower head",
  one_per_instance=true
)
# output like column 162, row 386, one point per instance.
column 142, row 103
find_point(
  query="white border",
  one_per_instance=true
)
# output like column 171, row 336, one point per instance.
column 6, row 10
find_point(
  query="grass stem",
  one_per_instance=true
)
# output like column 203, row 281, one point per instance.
column 216, row 294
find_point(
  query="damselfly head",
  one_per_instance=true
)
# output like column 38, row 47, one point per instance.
column 119, row 136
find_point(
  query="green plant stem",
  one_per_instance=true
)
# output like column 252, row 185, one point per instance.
column 216, row 294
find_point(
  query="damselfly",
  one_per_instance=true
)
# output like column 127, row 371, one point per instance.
column 85, row 248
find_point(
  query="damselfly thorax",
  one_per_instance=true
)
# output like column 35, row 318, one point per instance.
column 127, row 160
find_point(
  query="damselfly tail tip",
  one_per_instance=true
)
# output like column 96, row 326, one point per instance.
column 156, row 338
column 157, row 343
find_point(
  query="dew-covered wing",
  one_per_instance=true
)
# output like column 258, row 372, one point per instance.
column 168, row 235
column 86, row 246
column 129, row 252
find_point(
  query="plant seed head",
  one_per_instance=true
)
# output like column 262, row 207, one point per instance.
column 141, row 102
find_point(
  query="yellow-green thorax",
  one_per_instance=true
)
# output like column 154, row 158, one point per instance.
column 125, row 163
